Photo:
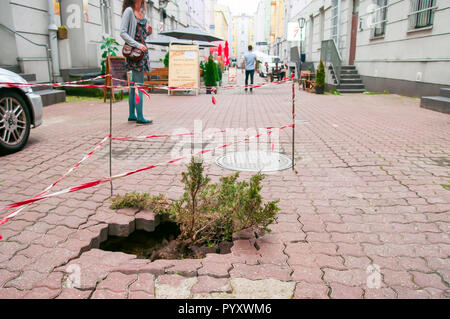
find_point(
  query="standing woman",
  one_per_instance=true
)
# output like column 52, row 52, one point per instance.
column 134, row 32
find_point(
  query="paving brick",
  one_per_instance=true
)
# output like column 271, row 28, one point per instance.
column 352, row 277
column 255, row 272
column 307, row 274
column 11, row 293
column 186, row 268
column 306, row 290
column 72, row 293
column 144, row 283
column 431, row 280
column 206, row 284
column 339, row 291
column 215, row 269
column 140, row 295
column 42, row 293
column 398, row 278
column 379, row 293
column 107, row 294
column 117, row 282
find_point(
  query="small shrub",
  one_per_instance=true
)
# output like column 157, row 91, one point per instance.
column 320, row 74
column 208, row 213
column 166, row 60
column 210, row 73
column 212, row 213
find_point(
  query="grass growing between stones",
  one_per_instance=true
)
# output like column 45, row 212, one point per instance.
column 140, row 201
column 376, row 93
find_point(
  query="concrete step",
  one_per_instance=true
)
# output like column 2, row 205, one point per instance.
column 12, row 68
column 85, row 73
column 28, row 76
column 350, row 76
column 351, row 81
column 445, row 92
column 350, row 90
column 351, row 86
column 38, row 88
column 348, row 67
column 51, row 96
column 436, row 103
column 348, row 72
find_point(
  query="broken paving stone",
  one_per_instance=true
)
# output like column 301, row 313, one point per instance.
column 174, row 287
column 262, row 289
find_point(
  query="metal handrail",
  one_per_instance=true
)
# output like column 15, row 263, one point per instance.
column 47, row 49
column 330, row 54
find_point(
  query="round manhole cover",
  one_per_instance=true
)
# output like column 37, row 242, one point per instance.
column 254, row 161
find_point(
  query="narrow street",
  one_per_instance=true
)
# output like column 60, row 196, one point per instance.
column 369, row 201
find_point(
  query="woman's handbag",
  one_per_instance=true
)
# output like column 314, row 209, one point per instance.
column 132, row 53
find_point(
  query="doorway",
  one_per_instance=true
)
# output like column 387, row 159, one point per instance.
column 354, row 32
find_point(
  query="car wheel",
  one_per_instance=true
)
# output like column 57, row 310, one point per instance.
column 14, row 122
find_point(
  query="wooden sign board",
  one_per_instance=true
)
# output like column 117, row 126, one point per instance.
column 184, row 67
column 117, row 67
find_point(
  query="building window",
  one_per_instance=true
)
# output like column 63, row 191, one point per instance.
column 105, row 10
column 379, row 18
column 335, row 22
column 421, row 14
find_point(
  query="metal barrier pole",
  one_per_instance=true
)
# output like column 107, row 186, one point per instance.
column 293, row 121
column 111, row 92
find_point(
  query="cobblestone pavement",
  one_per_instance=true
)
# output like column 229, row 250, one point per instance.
column 366, row 216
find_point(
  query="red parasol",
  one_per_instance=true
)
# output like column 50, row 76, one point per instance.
column 219, row 53
column 226, row 52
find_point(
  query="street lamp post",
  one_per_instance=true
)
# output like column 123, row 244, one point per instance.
column 301, row 24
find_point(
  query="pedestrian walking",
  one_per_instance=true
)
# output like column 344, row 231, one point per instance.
column 248, row 64
column 134, row 32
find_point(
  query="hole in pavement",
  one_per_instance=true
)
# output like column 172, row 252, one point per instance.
column 159, row 244
column 142, row 243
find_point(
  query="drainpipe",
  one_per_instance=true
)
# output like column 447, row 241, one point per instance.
column 53, row 40
column 338, row 23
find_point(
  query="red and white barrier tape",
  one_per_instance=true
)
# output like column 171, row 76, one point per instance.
column 73, row 168
column 180, row 134
column 137, row 88
column 118, row 176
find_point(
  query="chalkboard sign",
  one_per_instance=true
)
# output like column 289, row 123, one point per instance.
column 117, row 67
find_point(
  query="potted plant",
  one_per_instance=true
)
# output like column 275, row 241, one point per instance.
column 166, row 60
column 110, row 48
column 219, row 74
column 210, row 75
column 320, row 78
column 62, row 32
column 202, row 68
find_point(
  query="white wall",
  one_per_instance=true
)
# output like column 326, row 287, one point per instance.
column 401, row 54
column 8, row 49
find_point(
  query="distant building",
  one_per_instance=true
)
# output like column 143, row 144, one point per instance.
column 262, row 29
column 400, row 46
column 222, row 21
column 196, row 12
column 243, row 36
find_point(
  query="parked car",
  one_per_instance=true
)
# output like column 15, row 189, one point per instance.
column 20, row 109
